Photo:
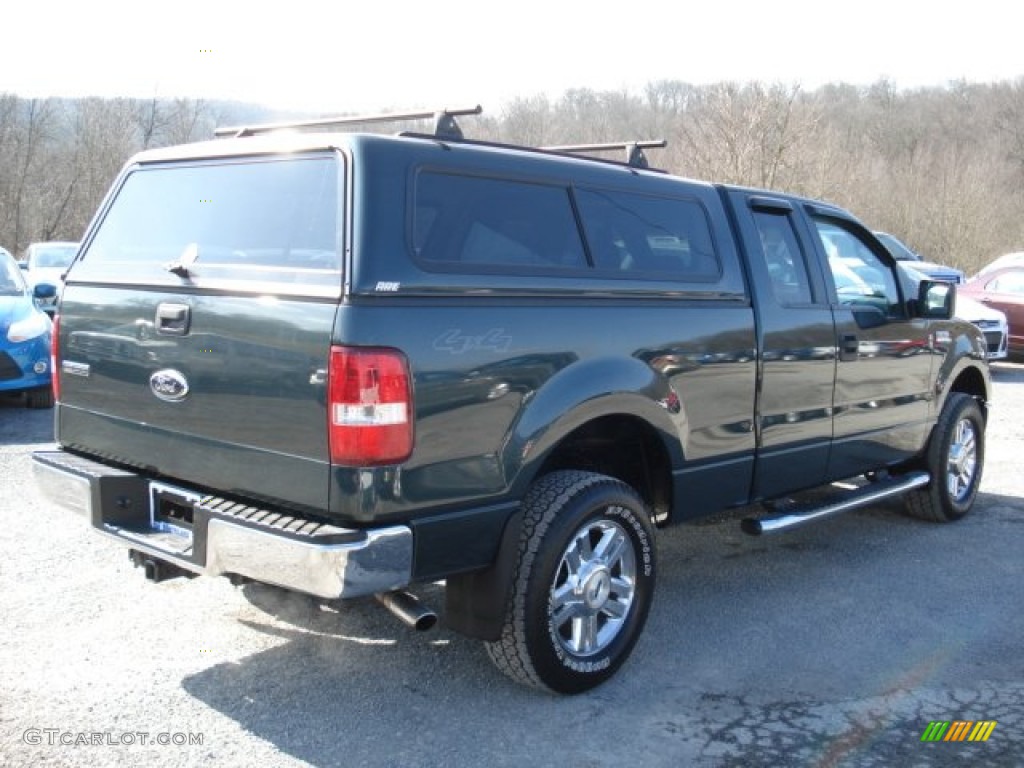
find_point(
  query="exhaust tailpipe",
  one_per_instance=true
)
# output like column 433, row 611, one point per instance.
column 409, row 609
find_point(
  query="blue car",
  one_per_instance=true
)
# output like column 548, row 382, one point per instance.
column 24, row 336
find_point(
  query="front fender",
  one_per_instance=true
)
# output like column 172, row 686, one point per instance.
column 964, row 365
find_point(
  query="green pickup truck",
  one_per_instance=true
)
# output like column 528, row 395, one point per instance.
column 349, row 363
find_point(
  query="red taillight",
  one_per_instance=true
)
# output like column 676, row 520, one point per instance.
column 54, row 350
column 369, row 407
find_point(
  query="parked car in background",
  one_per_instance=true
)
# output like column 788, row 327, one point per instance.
column 1015, row 259
column 24, row 336
column 991, row 322
column 46, row 263
column 4, row 252
column 902, row 253
column 1002, row 288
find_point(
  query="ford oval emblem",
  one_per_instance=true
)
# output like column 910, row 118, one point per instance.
column 169, row 385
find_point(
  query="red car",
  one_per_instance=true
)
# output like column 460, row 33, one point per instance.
column 1002, row 288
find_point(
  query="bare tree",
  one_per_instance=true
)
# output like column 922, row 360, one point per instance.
column 939, row 167
column 188, row 120
column 526, row 122
column 35, row 123
column 151, row 120
column 1009, row 122
column 743, row 134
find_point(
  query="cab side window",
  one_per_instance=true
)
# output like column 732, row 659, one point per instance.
column 861, row 277
column 784, row 258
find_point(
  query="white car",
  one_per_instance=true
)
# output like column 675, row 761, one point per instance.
column 904, row 255
column 46, row 263
column 990, row 321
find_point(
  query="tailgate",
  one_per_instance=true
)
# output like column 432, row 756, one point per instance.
column 195, row 328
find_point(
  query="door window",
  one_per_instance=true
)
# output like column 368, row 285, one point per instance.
column 861, row 277
column 784, row 258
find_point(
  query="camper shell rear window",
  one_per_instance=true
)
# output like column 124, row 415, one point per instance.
column 257, row 222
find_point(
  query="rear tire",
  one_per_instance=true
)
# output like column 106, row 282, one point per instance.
column 582, row 586
column 954, row 459
column 39, row 397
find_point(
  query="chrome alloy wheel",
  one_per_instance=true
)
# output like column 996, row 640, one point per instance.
column 962, row 461
column 593, row 588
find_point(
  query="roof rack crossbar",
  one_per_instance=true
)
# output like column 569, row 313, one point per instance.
column 635, row 157
column 445, row 125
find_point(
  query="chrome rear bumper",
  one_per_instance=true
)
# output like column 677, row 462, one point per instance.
column 209, row 535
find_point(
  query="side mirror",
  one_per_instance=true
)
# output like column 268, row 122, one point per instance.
column 868, row 316
column 43, row 291
column 23, row 265
column 936, row 300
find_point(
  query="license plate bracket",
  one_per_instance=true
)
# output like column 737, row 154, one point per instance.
column 171, row 509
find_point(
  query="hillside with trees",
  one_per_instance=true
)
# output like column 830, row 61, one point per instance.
column 942, row 168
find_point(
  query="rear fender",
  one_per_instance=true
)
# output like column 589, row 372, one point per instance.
column 581, row 393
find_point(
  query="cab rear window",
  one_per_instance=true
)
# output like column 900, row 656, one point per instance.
column 260, row 221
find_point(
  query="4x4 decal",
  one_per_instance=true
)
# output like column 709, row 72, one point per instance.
column 458, row 343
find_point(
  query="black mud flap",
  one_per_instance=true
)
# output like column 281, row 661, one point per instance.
column 475, row 603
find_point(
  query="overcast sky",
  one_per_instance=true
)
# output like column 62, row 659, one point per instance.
column 343, row 56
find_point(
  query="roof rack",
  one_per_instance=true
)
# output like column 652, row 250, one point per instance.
column 445, row 125
column 635, row 157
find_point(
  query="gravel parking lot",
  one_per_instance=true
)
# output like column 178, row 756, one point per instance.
column 833, row 645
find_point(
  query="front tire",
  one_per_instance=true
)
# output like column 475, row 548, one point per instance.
column 955, row 458
column 582, row 586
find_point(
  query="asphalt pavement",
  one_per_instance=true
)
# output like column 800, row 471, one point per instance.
column 836, row 644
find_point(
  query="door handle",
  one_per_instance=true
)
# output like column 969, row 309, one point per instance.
column 848, row 347
column 173, row 319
